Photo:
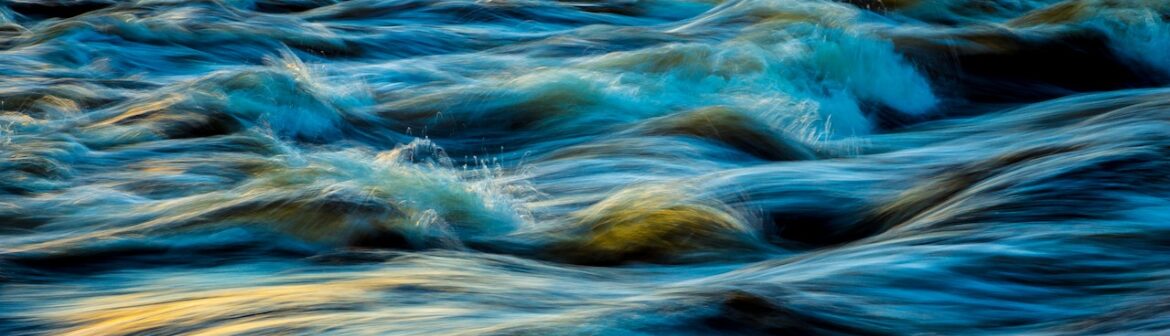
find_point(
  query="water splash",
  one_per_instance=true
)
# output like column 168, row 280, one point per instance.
column 616, row 167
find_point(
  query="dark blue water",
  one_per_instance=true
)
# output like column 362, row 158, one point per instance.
column 398, row 167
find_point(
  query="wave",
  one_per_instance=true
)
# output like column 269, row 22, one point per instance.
column 555, row 167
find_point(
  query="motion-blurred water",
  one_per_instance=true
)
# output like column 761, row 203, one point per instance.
column 394, row 167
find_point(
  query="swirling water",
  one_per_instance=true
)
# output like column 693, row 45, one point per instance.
column 392, row 167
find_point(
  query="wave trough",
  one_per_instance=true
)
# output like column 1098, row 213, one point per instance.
column 405, row 167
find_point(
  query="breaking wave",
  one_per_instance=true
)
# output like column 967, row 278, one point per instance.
column 862, row 167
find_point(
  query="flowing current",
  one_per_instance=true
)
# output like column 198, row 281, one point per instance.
column 621, row 167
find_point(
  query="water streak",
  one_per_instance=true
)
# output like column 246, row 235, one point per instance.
column 386, row 167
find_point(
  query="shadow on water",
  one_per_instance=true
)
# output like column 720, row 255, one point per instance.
column 557, row 167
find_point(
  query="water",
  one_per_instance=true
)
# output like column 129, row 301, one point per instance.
column 386, row 167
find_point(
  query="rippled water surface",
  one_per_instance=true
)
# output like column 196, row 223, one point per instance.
column 450, row 167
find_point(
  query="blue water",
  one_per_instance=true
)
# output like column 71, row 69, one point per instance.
column 399, row 167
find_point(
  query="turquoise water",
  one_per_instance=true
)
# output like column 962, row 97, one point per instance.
column 386, row 167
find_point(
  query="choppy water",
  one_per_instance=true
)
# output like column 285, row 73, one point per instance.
column 383, row 167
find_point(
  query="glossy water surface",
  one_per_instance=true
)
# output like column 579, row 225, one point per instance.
column 409, row 167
